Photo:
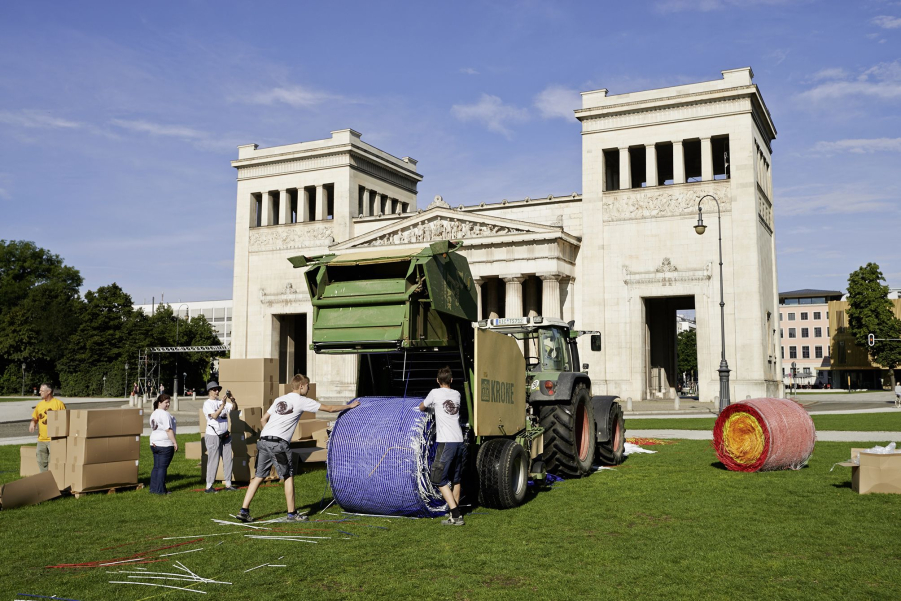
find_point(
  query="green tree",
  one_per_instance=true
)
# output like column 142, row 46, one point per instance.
column 870, row 312
column 687, row 352
column 39, row 310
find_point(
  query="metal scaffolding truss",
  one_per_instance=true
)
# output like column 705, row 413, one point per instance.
column 189, row 349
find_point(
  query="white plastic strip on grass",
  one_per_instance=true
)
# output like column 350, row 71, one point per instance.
column 179, row 588
column 634, row 449
column 182, row 552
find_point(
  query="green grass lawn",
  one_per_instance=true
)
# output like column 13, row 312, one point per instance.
column 10, row 399
column 673, row 525
column 858, row 422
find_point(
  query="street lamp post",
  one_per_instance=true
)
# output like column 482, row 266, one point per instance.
column 177, row 324
column 23, row 378
column 127, row 396
column 724, row 367
column 103, row 390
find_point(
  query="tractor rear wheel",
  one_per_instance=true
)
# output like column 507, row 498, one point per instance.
column 569, row 435
column 503, row 468
column 611, row 452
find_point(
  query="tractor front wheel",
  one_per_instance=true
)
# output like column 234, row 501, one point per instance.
column 569, row 435
column 503, row 468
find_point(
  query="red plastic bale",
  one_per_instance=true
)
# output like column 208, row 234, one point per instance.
column 789, row 435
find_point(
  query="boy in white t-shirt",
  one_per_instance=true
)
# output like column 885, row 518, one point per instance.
column 447, row 468
column 273, row 447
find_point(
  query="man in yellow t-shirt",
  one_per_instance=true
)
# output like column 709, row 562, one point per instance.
column 39, row 418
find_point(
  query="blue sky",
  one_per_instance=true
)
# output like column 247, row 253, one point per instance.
column 118, row 120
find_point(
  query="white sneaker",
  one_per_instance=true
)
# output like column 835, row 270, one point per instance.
column 450, row 521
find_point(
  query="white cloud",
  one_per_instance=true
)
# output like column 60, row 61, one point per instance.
column 36, row 119
column 859, row 146
column 882, row 81
column 469, row 71
column 887, row 22
column 673, row 6
column 156, row 129
column 557, row 101
column 830, row 73
column 847, row 200
column 296, row 96
column 491, row 112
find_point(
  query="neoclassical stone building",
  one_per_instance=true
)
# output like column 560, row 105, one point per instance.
column 622, row 257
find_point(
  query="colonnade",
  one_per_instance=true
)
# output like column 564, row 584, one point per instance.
column 524, row 295
column 292, row 205
column 374, row 203
column 651, row 150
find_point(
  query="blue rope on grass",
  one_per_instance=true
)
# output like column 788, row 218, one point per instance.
column 379, row 459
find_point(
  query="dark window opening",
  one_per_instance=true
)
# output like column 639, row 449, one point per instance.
column 311, row 202
column 361, row 200
column 664, row 163
column 276, row 200
column 329, row 190
column 720, row 157
column 637, row 161
column 611, row 170
column 691, row 149
column 257, row 216
column 294, row 200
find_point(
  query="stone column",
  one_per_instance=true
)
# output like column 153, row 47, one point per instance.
column 625, row 169
column 303, row 205
column 706, row 160
column 567, row 285
column 491, row 307
column 284, row 206
column 477, row 282
column 266, row 209
column 513, row 304
column 377, row 204
column 551, row 303
column 650, row 162
column 365, row 200
column 389, row 206
column 531, row 306
column 321, row 203
column 678, row 163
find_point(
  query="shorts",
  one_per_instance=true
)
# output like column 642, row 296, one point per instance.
column 447, row 468
column 271, row 453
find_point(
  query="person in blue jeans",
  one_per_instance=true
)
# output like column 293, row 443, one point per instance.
column 162, row 443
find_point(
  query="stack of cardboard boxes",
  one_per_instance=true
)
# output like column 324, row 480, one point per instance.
column 91, row 449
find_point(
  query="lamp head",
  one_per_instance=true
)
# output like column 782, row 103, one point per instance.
column 700, row 227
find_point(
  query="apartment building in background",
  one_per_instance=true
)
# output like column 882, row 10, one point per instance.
column 217, row 312
column 805, row 333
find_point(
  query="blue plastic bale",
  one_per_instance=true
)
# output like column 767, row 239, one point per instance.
column 379, row 459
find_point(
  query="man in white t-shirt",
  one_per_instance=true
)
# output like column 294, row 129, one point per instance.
column 273, row 447
column 898, row 394
column 217, row 437
column 447, row 468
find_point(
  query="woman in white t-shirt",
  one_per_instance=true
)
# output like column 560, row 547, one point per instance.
column 162, row 443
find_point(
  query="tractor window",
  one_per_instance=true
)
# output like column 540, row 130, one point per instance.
column 554, row 352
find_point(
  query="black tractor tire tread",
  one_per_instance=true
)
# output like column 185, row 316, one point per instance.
column 606, row 453
column 496, row 466
column 560, row 454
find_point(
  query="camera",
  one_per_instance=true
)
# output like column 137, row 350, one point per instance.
column 228, row 394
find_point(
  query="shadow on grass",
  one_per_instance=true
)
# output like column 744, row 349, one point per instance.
column 842, row 485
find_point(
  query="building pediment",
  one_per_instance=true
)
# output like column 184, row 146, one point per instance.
column 441, row 223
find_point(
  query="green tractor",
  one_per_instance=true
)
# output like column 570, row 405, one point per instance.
column 408, row 312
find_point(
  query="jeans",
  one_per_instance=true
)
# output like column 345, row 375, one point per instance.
column 162, row 457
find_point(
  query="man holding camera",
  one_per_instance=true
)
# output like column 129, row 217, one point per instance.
column 217, row 437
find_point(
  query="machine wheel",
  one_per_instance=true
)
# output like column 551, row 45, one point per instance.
column 503, row 468
column 610, row 452
column 569, row 435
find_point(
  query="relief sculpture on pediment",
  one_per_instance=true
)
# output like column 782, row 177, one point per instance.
column 280, row 238
column 440, row 229
column 659, row 202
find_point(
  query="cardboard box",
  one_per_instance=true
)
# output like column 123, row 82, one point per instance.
column 312, row 454
column 241, row 471
column 877, row 473
column 28, row 491
column 58, row 424
column 246, row 421
column 58, row 469
column 101, row 475
column 58, row 449
column 284, row 389
column 194, row 450
column 101, row 423
column 306, row 428
column 321, row 437
column 248, row 370
column 88, row 451
column 28, row 462
column 252, row 394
